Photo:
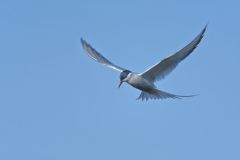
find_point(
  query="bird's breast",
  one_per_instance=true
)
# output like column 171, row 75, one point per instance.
column 141, row 83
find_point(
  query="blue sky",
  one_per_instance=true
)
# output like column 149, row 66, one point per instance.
column 57, row 103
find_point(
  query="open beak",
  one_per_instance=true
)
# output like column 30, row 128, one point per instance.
column 120, row 83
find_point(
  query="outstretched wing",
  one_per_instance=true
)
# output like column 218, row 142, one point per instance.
column 98, row 57
column 164, row 67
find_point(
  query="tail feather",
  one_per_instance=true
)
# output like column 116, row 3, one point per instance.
column 158, row 94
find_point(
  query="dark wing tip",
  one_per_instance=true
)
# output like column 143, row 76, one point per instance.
column 83, row 41
column 204, row 29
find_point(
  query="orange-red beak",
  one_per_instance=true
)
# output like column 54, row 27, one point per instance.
column 120, row 83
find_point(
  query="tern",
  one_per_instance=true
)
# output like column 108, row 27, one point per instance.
column 145, row 81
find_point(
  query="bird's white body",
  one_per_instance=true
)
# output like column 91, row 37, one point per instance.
column 139, row 82
column 149, row 90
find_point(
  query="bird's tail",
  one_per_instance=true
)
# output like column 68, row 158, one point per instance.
column 158, row 94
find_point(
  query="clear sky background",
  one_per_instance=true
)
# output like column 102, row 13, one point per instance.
column 57, row 103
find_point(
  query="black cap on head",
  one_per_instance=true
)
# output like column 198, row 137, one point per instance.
column 124, row 74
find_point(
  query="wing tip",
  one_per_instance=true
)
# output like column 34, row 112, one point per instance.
column 204, row 29
column 83, row 42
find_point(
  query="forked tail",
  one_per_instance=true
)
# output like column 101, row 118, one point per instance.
column 157, row 94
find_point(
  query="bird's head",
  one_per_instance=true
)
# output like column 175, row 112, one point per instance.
column 123, row 76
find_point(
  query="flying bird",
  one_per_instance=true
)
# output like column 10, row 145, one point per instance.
column 145, row 81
